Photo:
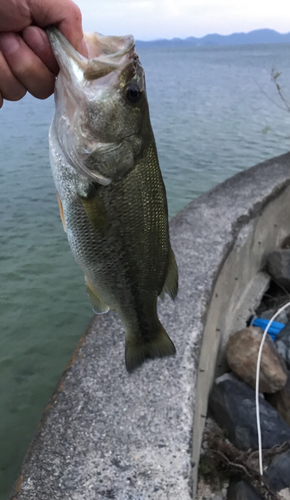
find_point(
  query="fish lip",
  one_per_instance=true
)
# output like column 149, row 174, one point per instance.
column 64, row 52
column 127, row 41
column 67, row 56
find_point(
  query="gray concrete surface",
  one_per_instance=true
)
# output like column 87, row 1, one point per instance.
column 108, row 435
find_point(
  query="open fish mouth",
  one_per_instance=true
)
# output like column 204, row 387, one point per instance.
column 106, row 54
column 89, row 92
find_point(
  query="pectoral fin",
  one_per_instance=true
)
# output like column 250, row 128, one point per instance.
column 171, row 281
column 98, row 306
column 61, row 212
column 95, row 209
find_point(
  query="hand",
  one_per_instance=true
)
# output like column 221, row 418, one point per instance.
column 27, row 62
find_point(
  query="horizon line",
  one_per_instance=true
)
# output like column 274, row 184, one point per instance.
column 213, row 34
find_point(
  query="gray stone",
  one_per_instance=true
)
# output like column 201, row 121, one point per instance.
column 278, row 471
column 242, row 353
column 232, row 404
column 278, row 266
column 282, row 342
column 241, row 490
column 281, row 401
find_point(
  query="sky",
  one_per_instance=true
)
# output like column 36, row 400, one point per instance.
column 153, row 19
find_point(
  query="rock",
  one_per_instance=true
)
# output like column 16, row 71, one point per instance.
column 242, row 490
column 278, row 266
column 232, row 404
column 282, row 343
column 242, row 353
column 278, row 471
column 281, row 401
column 286, row 242
column 284, row 494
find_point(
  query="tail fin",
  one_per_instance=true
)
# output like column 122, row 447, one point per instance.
column 137, row 349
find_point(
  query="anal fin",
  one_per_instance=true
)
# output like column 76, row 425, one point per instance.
column 98, row 306
column 171, row 281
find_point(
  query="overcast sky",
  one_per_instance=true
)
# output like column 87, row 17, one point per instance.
column 151, row 19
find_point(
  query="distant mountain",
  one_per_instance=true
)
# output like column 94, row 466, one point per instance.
column 256, row 36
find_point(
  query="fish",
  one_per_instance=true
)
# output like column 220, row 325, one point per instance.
column 110, row 190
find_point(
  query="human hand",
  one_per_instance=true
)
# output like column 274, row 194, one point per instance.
column 27, row 62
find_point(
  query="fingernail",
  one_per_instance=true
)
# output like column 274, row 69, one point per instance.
column 9, row 43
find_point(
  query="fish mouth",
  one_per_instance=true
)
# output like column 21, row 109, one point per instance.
column 106, row 54
column 110, row 60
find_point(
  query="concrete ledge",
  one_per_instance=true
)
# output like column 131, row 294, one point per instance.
column 107, row 435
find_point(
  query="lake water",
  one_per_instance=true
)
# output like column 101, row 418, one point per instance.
column 215, row 112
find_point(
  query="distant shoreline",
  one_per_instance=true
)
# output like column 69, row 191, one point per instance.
column 261, row 36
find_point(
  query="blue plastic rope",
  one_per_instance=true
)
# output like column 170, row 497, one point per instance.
column 274, row 329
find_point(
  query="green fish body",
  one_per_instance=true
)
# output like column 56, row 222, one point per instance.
column 110, row 188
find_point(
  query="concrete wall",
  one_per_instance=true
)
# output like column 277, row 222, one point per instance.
column 109, row 435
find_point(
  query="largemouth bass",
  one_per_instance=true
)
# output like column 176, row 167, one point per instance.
column 110, row 190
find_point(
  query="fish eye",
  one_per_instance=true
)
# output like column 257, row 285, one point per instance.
column 133, row 92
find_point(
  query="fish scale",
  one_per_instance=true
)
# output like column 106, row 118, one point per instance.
column 110, row 188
